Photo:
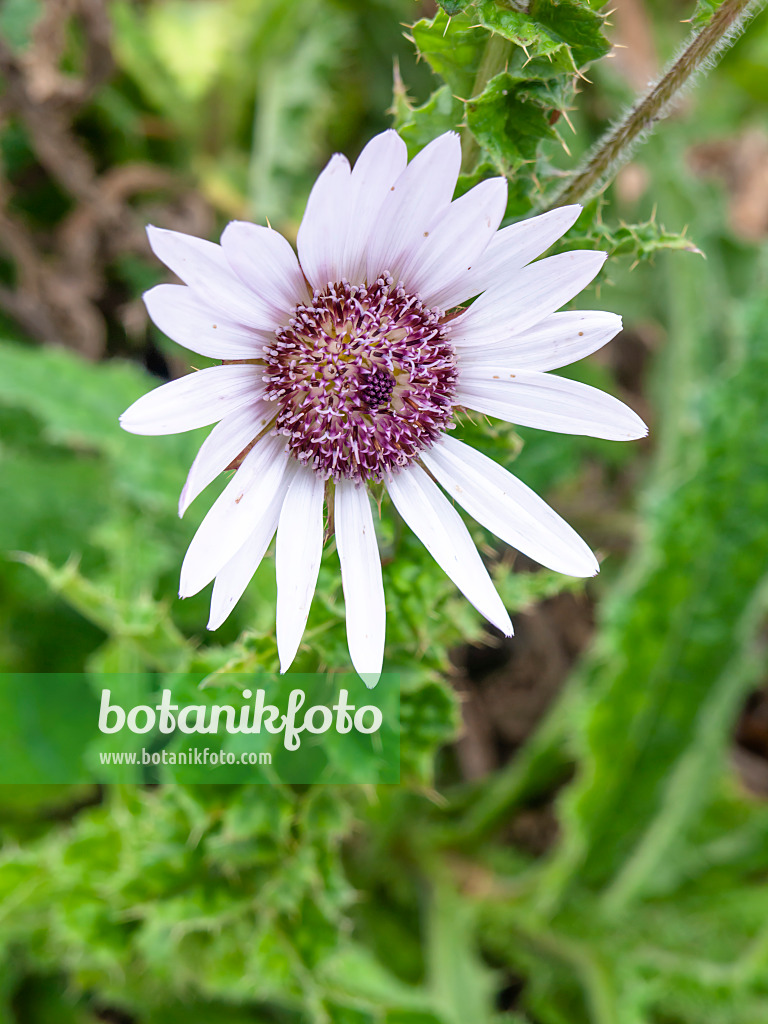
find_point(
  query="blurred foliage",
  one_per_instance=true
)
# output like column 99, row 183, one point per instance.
column 413, row 904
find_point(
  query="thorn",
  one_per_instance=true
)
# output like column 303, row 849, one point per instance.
column 568, row 120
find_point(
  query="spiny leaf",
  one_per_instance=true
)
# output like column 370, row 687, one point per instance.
column 453, row 47
column 510, row 119
column 452, row 7
column 641, row 241
column 676, row 655
column 572, row 22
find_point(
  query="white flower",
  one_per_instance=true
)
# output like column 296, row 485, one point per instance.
column 347, row 365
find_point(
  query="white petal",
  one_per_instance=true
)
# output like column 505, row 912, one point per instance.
column 322, row 229
column 526, row 298
column 231, row 581
column 298, row 552
column 504, row 505
column 457, row 238
column 197, row 400
column 204, row 267
column 361, row 579
column 514, row 246
column 267, row 265
column 230, row 519
column 558, row 340
column 180, row 314
column 440, row 529
column 422, row 191
column 542, row 400
column 222, row 446
column 376, row 170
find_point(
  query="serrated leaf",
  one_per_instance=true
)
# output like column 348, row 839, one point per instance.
column 510, row 118
column 453, row 47
column 641, row 241
column 452, row 7
column 518, row 27
column 572, row 22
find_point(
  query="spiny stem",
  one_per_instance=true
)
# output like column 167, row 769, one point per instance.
column 616, row 145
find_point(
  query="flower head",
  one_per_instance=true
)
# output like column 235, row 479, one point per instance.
column 347, row 365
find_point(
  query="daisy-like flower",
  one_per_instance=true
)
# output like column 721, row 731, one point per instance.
column 346, row 366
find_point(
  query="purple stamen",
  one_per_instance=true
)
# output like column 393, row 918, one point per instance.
column 364, row 379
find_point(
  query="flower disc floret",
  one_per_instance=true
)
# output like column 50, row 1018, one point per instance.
column 363, row 378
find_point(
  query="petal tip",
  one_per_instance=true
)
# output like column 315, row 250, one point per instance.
column 638, row 428
column 128, row 424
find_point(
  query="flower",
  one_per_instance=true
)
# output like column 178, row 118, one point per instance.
column 346, row 366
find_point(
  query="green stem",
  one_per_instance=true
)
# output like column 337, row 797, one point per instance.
column 617, row 144
column 494, row 60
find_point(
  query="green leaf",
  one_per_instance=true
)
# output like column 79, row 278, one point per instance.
column 79, row 404
column 295, row 104
column 641, row 241
column 572, row 22
column 511, row 118
column 461, row 983
column 677, row 653
column 705, row 11
column 452, row 7
column 144, row 625
column 418, row 126
column 353, row 973
column 519, row 28
column 453, row 47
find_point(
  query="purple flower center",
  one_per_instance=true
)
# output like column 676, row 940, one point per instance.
column 364, row 379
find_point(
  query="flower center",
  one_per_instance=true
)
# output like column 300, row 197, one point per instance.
column 364, row 379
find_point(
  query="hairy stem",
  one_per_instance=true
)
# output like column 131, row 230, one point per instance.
column 616, row 145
